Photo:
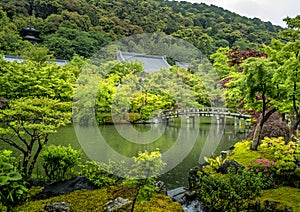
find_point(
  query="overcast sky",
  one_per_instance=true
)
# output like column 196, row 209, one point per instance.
column 267, row 10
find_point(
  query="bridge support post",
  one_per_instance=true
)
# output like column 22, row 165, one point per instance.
column 222, row 120
column 193, row 120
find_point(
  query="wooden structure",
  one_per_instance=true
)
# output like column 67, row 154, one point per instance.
column 220, row 113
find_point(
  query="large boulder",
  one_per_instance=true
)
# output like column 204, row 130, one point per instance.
column 64, row 187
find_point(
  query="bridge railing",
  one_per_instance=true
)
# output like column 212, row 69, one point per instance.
column 201, row 112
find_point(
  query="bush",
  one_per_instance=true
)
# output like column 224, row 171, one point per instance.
column 231, row 192
column 12, row 185
column 285, row 155
column 60, row 161
column 266, row 169
column 101, row 174
column 145, row 169
column 214, row 162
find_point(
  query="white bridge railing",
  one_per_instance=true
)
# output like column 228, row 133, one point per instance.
column 209, row 111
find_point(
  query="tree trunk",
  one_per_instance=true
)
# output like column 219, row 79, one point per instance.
column 294, row 129
column 257, row 133
column 258, row 129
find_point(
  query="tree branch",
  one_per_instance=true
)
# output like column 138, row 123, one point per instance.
column 11, row 143
column 18, row 134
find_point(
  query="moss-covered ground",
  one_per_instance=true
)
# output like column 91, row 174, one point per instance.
column 84, row 200
column 286, row 196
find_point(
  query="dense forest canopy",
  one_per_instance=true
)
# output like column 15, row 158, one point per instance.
column 82, row 27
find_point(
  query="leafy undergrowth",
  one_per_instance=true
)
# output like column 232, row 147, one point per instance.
column 286, row 196
column 84, row 200
column 284, row 156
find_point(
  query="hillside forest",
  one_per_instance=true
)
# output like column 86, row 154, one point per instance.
column 82, row 27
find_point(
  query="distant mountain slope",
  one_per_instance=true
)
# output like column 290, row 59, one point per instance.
column 81, row 27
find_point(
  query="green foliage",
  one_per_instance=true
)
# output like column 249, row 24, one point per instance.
column 67, row 42
column 286, row 54
column 266, row 169
column 39, row 95
column 284, row 195
column 214, row 161
column 59, row 162
column 146, row 168
column 36, row 78
column 285, row 155
column 27, row 122
column 229, row 193
column 243, row 154
column 82, row 26
column 12, row 185
column 101, row 174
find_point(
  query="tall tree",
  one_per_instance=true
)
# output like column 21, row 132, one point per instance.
column 287, row 55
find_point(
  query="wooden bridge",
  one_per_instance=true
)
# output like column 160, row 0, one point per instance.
column 219, row 113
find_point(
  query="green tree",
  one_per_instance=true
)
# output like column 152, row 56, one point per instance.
column 287, row 55
column 36, row 79
column 146, row 168
column 39, row 98
column 27, row 123
column 255, row 89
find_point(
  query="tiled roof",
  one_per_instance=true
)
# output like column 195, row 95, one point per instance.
column 151, row 63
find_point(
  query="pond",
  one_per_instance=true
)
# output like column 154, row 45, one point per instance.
column 183, row 143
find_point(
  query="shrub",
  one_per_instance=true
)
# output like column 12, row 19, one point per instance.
column 214, row 162
column 232, row 192
column 265, row 169
column 285, row 155
column 60, row 161
column 101, row 174
column 145, row 169
column 12, row 185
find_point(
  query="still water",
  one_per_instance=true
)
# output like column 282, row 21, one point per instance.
column 183, row 143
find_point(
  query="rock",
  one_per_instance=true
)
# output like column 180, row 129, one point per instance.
column 116, row 204
column 254, row 207
column 193, row 177
column 224, row 154
column 57, row 207
column 287, row 209
column 37, row 182
column 270, row 205
column 161, row 187
column 64, row 187
column 227, row 164
column 189, row 196
column 177, row 194
column 232, row 148
column 194, row 206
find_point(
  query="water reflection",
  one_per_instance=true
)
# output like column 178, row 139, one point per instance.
column 182, row 143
